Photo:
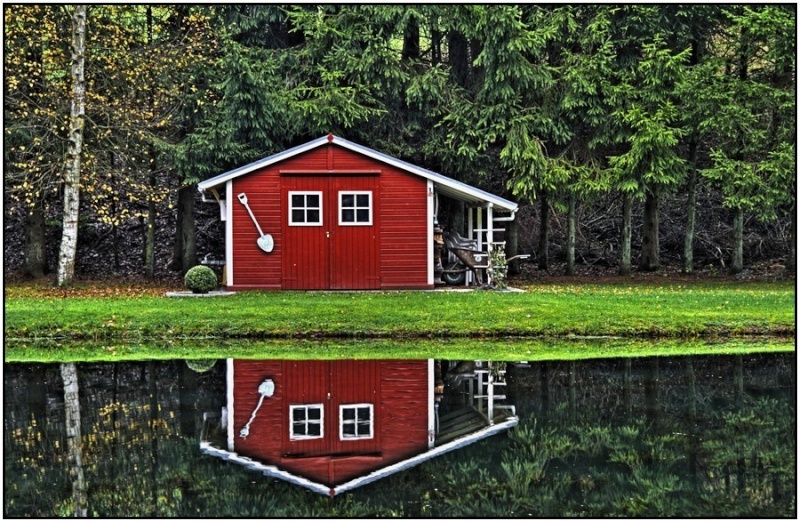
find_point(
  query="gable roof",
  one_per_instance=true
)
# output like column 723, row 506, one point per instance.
column 275, row 472
column 443, row 185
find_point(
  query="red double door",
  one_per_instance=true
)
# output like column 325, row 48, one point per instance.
column 330, row 232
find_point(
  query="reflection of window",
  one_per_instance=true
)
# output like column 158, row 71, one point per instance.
column 355, row 208
column 305, row 208
column 355, row 421
column 306, row 421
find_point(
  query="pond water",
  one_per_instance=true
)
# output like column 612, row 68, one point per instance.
column 692, row 436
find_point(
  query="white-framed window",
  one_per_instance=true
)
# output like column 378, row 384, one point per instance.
column 305, row 208
column 306, row 421
column 356, row 421
column 355, row 208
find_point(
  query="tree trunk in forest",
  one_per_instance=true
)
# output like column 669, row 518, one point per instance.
column 512, row 246
column 184, row 252
column 35, row 256
column 72, row 412
column 571, row 225
column 150, row 231
column 691, row 210
column 436, row 47
column 649, row 260
column 458, row 57
column 72, row 177
column 625, row 247
column 544, row 233
column 737, row 263
column 411, row 40
column 150, row 235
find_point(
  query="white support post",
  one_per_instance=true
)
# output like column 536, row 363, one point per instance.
column 470, row 235
column 489, row 237
column 229, row 397
column 490, row 394
column 479, row 210
column 431, row 405
column 431, row 219
column 229, row 234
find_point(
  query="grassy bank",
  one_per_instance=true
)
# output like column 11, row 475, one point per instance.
column 651, row 310
column 452, row 349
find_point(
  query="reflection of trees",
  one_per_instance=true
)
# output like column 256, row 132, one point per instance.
column 694, row 437
column 72, row 416
column 602, row 462
column 133, row 458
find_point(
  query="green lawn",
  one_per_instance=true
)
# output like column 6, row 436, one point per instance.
column 504, row 349
column 642, row 310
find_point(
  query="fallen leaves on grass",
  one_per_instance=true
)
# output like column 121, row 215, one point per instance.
column 94, row 289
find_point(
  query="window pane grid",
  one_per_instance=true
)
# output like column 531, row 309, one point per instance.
column 355, row 208
column 306, row 421
column 355, row 421
column 305, row 208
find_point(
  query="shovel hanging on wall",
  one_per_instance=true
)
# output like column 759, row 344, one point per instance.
column 264, row 241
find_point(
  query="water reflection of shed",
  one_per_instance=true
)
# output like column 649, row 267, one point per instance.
column 335, row 425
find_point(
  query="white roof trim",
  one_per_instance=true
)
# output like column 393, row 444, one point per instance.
column 456, row 188
column 275, row 472
column 269, row 471
column 422, row 457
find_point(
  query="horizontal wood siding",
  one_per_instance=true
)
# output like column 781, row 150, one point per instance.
column 264, row 442
column 404, row 409
column 252, row 267
column 390, row 254
column 404, row 230
column 396, row 389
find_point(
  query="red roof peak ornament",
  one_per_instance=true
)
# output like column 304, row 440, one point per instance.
column 330, row 137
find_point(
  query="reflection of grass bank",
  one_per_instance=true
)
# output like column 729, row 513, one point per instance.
column 454, row 349
column 637, row 310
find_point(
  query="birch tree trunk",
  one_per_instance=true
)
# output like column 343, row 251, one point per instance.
column 72, row 412
column 72, row 177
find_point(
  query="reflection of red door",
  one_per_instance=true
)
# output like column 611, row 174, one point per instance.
column 330, row 226
column 332, row 384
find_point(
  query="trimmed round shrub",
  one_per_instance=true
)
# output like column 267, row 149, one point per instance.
column 201, row 365
column 200, row 279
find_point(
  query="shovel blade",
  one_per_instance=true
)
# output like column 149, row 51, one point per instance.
column 266, row 243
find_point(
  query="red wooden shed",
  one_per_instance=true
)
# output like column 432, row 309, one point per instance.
column 332, row 426
column 332, row 214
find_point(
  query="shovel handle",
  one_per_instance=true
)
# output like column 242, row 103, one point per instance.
column 243, row 199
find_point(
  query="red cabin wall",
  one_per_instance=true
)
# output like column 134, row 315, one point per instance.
column 397, row 258
column 397, row 390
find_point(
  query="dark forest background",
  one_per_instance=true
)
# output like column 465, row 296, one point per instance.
column 634, row 136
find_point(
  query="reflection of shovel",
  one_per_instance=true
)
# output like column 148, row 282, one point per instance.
column 265, row 241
